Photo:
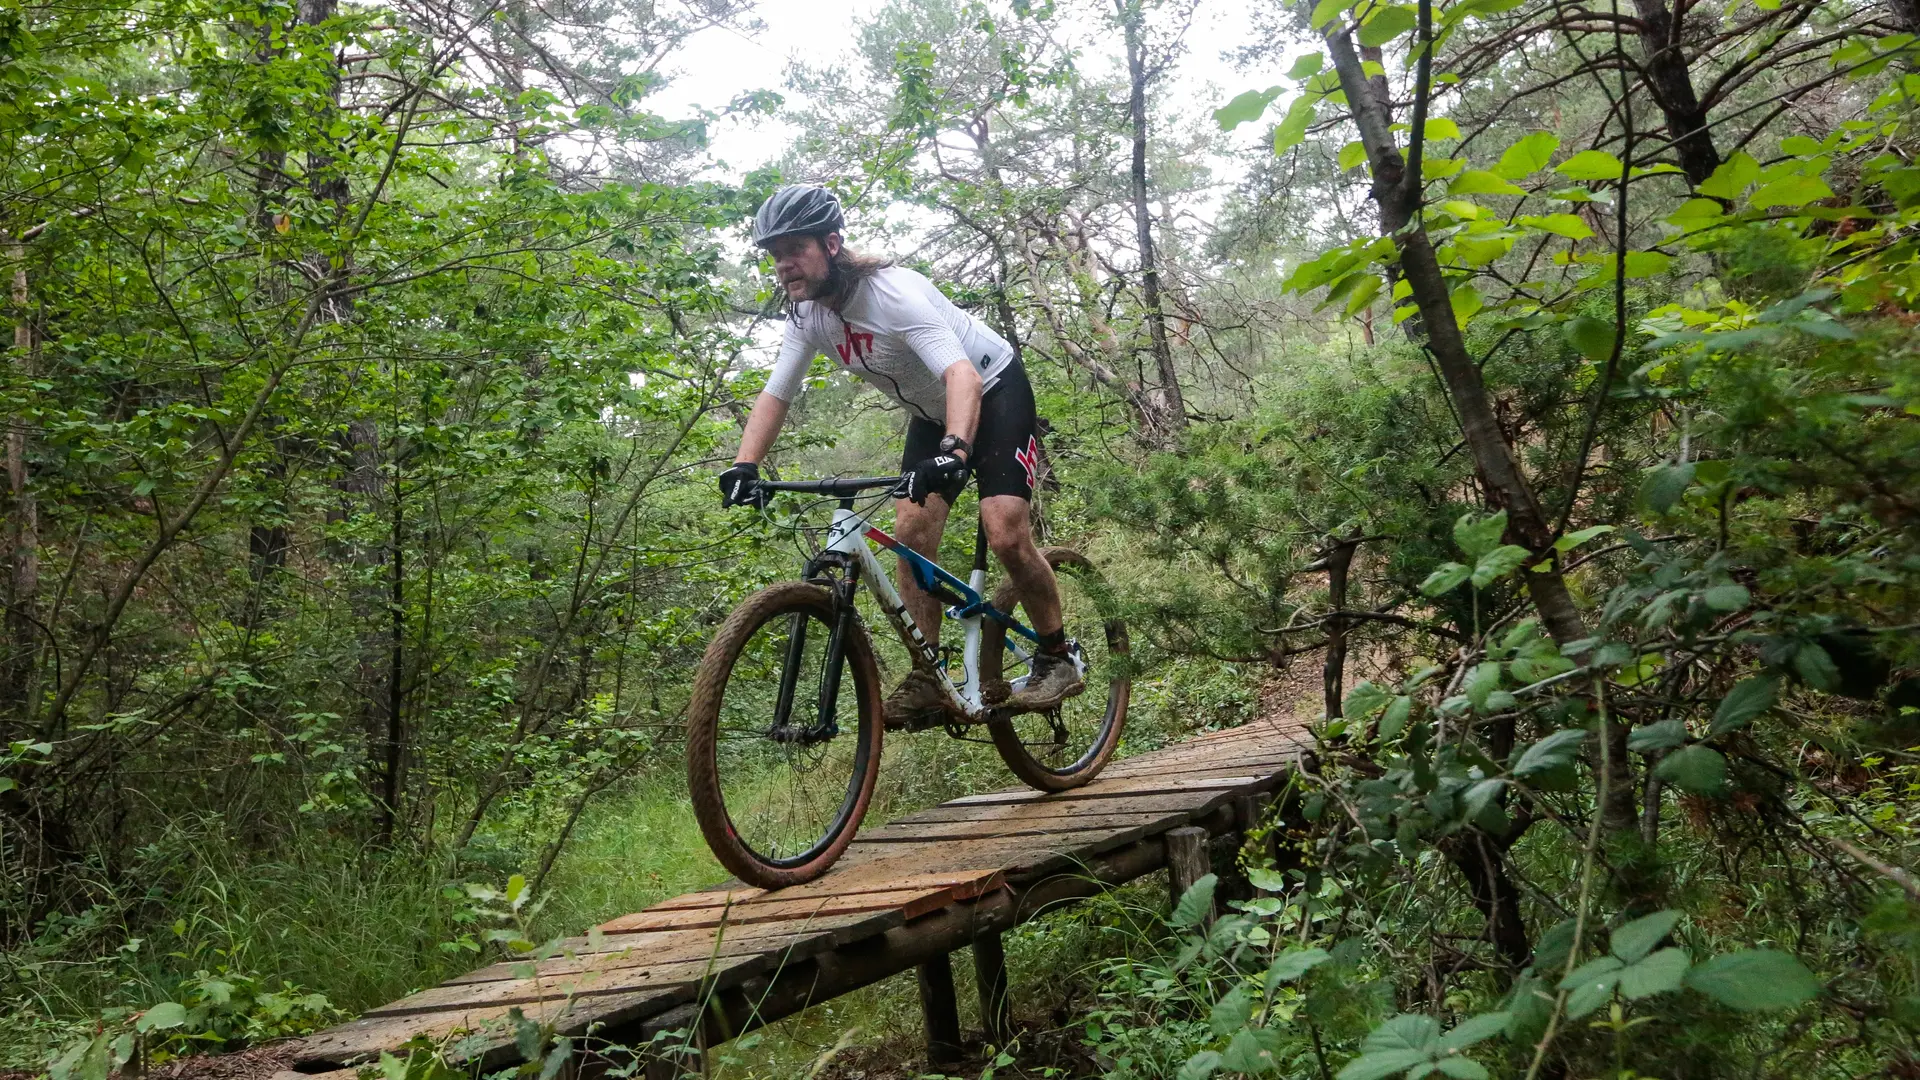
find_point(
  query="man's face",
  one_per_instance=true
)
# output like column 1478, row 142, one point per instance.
column 802, row 263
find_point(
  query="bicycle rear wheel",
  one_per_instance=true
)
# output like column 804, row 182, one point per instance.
column 1065, row 747
column 782, row 754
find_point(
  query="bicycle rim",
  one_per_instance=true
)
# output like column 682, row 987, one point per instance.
column 779, row 795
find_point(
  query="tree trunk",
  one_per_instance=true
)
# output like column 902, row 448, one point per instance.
column 1172, row 404
column 1672, row 85
column 1398, row 196
column 23, row 520
column 1334, row 672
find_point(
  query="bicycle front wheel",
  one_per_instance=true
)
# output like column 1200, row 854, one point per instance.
column 783, row 735
column 1066, row 747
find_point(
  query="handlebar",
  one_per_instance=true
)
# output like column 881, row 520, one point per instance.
column 841, row 487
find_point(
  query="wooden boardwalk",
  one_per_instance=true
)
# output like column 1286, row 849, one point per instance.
column 722, row 961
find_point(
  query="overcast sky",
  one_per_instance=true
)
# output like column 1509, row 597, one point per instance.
column 718, row 65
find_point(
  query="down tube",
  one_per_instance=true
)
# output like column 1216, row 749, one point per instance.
column 882, row 585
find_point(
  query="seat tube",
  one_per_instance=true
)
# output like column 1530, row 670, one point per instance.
column 977, row 581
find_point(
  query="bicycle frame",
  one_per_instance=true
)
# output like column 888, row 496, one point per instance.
column 852, row 534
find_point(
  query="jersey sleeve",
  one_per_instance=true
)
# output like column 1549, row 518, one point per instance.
column 929, row 335
column 790, row 368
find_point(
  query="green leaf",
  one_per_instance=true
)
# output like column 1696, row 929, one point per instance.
column 1527, row 156
column 1557, row 749
column 1325, row 11
column 1407, row 1031
column 1698, row 769
column 1568, row 225
column 1733, row 177
column 1387, row 23
column 1754, row 980
column 1245, row 107
column 1575, row 539
column 1696, row 212
column 1479, row 535
column 1636, row 939
column 1664, row 735
column 1394, row 721
column 1481, row 684
column 1727, row 597
column 1353, row 154
column 1251, row 1050
column 1816, row 667
column 1660, row 973
column 1442, row 128
column 167, row 1014
column 1800, row 146
column 1473, row 1030
column 1664, row 485
column 1293, row 129
column 1746, row 701
column 1364, row 700
column 1460, row 1068
column 1306, row 67
column 1446, row 579
column 1590, row 337
column 1200, row 1066
column 1497, row 564
column 1591, row 985
column 1590, row 165
column 1232, row 1011
column 1292, row 964
column 1195, row 904
column 1791, row 192
column 1466, row 302
column 1482, row 182
column 1382, row 1064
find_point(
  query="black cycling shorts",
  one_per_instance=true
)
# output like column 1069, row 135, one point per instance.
column 1006, row 445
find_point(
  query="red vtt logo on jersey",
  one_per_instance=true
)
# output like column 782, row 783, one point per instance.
column 860, row 345
column 1029, row 458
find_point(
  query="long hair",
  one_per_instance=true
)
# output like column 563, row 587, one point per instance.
column 845, row 272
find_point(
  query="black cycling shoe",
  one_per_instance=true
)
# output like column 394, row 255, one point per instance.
column 1052, row 681
column 917, row 702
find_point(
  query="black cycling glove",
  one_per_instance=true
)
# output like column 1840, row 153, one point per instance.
column 740, row 486
column 945, row 473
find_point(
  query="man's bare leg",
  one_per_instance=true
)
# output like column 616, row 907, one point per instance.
column 919, row 527
column 1010, row 535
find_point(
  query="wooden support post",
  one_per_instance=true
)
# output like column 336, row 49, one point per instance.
column 940, row 1010
column 990, row 975
column 1249, row 812
column 1188, row 860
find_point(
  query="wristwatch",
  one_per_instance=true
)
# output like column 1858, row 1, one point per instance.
column 954, row 443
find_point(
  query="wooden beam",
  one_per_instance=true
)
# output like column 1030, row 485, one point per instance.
column 990, row 975
column 940, row 1010
column 1188, row 860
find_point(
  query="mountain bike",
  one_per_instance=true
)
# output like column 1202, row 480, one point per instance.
column 781, row 765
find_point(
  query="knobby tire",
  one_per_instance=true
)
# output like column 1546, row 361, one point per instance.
column 703, row 721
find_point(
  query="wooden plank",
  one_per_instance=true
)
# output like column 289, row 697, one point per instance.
column 965, row 884
column 981, row 830
column 1145, row 785
column 610, row 979
column 683, row 946
column 1057, row 811
column 911, row 903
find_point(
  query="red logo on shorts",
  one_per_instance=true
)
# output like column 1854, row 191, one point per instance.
column 1029, row 458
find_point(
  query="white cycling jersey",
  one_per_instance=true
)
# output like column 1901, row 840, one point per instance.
column 899, row 333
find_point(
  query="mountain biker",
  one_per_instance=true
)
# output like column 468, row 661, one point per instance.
column 971, row 414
